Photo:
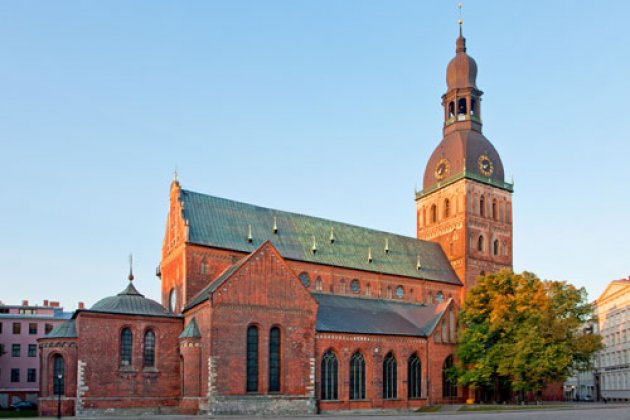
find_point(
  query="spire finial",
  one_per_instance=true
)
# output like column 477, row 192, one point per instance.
column 130, row 277
column 460, row 21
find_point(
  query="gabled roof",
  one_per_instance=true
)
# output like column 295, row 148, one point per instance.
column 191, row 330
column 344, row 314
column 65, row 330
column 613, row 288
column 223, row 223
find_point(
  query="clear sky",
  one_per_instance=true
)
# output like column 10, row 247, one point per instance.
column 329, row 108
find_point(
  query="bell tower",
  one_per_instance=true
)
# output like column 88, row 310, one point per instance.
column 465, row 204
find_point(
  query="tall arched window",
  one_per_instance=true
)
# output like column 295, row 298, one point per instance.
column 461, row 106
column 480, row 243
column 414, row 376
column 329, row 377
column 449, row 383
column 126, row 347
column 447, row 207
column 357, row 377
column 390, row 377
column 473, row 107
column 482, row 206
column 495, row 247
column 451, row 109
column 433, row 213
column 252, row 359
column 59, row 376
column 149, row 349
column 494, row 209
column 274, row 360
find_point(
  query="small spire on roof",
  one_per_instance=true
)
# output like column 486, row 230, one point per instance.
column 387, row 245
column 314, row 246
column 418, row 265
column 275, row 224
column 332, row 235
column 249, row 234
column 370, row 255
column 130, row 277
column 460, row 21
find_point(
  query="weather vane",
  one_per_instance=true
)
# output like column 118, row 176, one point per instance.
column 459, row 7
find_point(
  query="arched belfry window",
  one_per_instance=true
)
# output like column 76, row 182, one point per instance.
column 252, row 359
column 390, row 377
column 274, row 360
column 414, row 376
column 329, row 377
column 447, row 207
column 59, row 376
column 482, row 206
column 149, row 349
column 461, row 106
column 449, row 383
column 474, row 108
column 433, row 213
column 451, row 109
column 480, row 243
column 126, row 347
column 357, row 377
column 494, row 209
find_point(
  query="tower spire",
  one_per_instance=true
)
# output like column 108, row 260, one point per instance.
column 460, row 21
column 130, row 277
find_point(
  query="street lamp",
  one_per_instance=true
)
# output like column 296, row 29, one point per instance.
column 59, row 379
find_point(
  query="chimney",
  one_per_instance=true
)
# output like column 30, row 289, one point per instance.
column 81, row 305
column 45, row 302
column 54, row 304
column 25, row 303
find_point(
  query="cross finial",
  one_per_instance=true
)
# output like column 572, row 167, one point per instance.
column 461, row 21
column 130, row 277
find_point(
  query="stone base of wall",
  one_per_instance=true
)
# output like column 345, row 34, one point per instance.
column 128, row 412
column 190, row 405
column 261, row 405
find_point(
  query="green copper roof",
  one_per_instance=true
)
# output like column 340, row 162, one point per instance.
column 191, row 330
column 223, row 223
column 130, row 302
column 66, row 330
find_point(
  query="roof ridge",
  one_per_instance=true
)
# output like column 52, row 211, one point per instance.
column 384, row 300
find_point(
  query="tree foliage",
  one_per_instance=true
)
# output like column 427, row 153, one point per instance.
column 519, row 329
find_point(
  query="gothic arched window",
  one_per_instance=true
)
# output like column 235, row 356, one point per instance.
column 439, row 297
column 414, row 376
column 433, row 213
column 480, row 244
column 449, row 383
column 447, row 207
column 149, row 349
column 495, row 247
column 58, row 378
column 252, row 359
column 357, row 377
column 126, row 347
column 274, row 360
column 390, row 377
column 329, row 377
column 482, row 206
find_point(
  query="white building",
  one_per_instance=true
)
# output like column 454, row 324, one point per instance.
column 612, row 364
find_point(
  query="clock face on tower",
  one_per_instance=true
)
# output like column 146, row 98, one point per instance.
column 486, row 167
column 442, row 169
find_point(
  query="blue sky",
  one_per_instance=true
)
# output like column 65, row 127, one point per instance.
column 329, row 108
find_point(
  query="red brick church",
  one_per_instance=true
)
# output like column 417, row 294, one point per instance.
column 265, row 311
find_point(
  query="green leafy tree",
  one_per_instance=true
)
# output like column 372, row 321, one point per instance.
column 521, row 331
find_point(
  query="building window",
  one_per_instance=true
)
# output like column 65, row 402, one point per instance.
column 414, row 376
column 330, row 374
column 149, row 349
column 59, row 377
column 357, row 377
column 31, row 375
column 449, row 383
column 451, row 109
column 495, row 247
column 451, row 325
column 482, row 206
column 305, row 279
column 400, row 292
column 355, row 286
column 15, row 350
column 48, row 328
column 274, row 360
column 126, row 347
column 461, row 106
column 439, row 297
column 480, row 243
column 15, row 375
column 203, row 266
column 172, row 300
column 447, row 208
column 433, row 213
column 32, row 350
column 32, row 328
column 252, row 359
column 0, row 327
column 390, row 377
column 17, row 328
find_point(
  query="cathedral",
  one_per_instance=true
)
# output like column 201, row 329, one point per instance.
column 269, row 312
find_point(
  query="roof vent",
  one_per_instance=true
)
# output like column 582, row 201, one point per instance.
column 370, row 255
column 332, row 235
column 249, row 234
column 418, row 265
column 275, row 224
column 314, row 247
column 386, row 246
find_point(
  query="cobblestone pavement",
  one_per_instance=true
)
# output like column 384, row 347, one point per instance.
column 575, row 412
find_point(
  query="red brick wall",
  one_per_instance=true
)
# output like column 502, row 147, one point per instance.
column 49, row 349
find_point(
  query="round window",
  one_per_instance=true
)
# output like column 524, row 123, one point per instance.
column 305, row 279
column 400, row 292
column 355, row 286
